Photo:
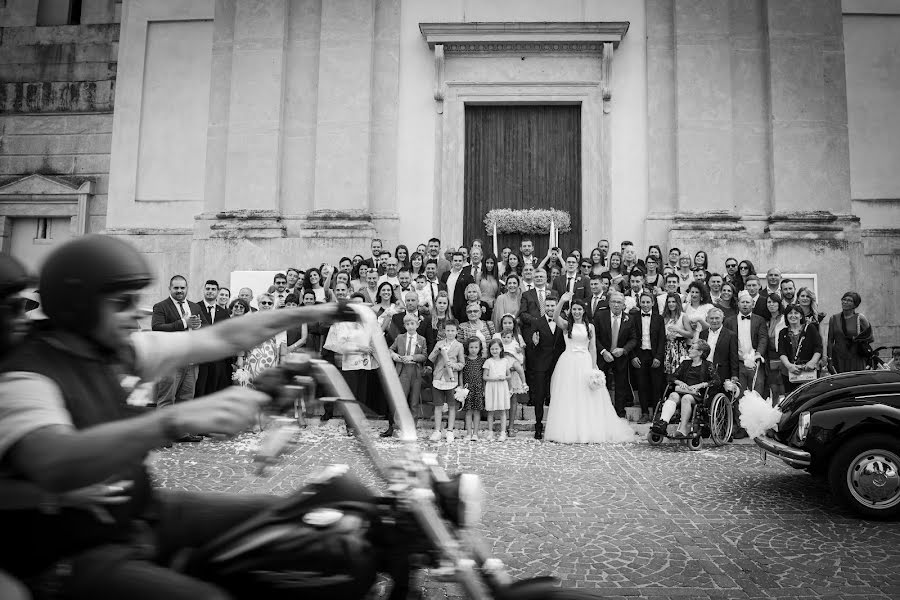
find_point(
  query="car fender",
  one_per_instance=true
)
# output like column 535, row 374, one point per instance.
column 834, row 425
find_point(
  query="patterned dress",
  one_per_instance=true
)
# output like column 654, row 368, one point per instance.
column 472, row 376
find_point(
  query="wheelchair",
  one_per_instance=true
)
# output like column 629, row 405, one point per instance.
column 713, row 418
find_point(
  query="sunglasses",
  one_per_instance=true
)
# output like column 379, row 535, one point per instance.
column 731, row 265
column 266, row 303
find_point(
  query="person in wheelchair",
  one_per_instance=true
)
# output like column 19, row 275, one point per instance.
column 694, row 378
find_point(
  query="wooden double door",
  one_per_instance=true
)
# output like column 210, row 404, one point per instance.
column 522, row 156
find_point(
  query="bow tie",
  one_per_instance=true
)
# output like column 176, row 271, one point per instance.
column 746, row 318
column 645, row 314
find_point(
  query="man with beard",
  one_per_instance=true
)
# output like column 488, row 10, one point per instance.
column 788, row 292
column 173, row 314
column 216, row 375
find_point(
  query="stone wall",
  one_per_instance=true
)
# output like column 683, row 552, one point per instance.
column 57, row 86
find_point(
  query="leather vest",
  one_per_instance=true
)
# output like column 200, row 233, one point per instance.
column 37, row 536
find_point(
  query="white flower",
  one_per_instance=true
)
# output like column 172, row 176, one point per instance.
column 531, row 221
column 596, row 379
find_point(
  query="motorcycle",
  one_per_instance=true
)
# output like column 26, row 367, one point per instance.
column 333, row 538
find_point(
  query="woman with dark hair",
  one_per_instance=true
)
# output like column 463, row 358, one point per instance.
column 615, row 272
column 656, row 252
column 490, row 281
column 653, row 279
column 239, row 307
column 800, row 348
column 401, row 253
column 727, row 301
column 313, row 282
column 440, row 314
column 697, row 305
column 776, row 324
column 679, row 333
column 385, row 301
column 512, row 265
column 745, row 270
column 416, row 264
column 598, row 261
column 358, row 277
column 701, row 260
column 849, row 336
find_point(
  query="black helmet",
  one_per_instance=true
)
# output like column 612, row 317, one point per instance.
column 78, row 273
column 13, row 276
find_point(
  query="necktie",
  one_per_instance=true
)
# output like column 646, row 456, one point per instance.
column 212, row 314
column 615, row 331
column 594, row 302
column 433, row 291
column 569, row 285
column 409, row 345
column 540, row 294
column 181, row 308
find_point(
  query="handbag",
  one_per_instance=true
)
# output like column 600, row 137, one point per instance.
column 802, row 376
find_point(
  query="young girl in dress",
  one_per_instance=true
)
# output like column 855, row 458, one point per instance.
column 496, row 385
column 472, row 375
column 514, row 348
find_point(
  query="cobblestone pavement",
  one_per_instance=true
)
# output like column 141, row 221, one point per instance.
column 629, row 520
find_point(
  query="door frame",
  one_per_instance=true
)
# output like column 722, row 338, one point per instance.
column 39, row 196
column 450, row 152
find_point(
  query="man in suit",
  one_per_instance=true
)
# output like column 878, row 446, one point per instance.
column 456, row 281
column 423, row 321
column 246, row 294
column 599, row 297
column 279, row 289
column 648, row 355
column 616, row 340
column 475, row 268
column 216, row 375
column 752, row 341
column 376, row 247
column 532, row 304
column 571, row 281
column 757, row 298
column 635, row 289
column 409, row 352
column 370, row 292
column 434, row 253
column 176, row 313
column 723, row 346
column 432, row 279
column 543, row 347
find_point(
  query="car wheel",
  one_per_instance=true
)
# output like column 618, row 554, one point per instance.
column 654, row 439
column 865, row 475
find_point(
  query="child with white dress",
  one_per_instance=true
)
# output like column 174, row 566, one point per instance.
column 497, row 370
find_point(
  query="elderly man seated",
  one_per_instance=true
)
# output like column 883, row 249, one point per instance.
column 691, row 379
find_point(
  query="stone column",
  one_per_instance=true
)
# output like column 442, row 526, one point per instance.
column 810, row 148
column 344, row 120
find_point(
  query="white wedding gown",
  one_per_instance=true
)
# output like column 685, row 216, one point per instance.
column 578, row 414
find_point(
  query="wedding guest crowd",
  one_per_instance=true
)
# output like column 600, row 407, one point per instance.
column 471, row 332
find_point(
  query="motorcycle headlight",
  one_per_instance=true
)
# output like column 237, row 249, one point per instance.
column 460, row 499
column 803, row 426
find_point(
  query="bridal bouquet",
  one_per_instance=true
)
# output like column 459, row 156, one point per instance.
column 596, row 379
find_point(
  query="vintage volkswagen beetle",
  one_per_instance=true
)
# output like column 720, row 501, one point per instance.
column 845, row 427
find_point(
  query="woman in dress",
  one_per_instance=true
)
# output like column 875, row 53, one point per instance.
column 727, row 301
column 268, row 353
column 490, row 281
column 615, row 272
column 512, row 265
column 475, row 326
column 653, row 279
column 684, row 272
column 580, row 413
column 776, row 324
column 679, row 333
column 358, row 277
column 849, row 334
column 697, row 305
column 508, row 302
column 598, row 262
column 701, row 260
column 800, row 347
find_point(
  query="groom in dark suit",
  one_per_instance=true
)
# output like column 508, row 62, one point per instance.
column 216, row 375
column 649, row 354
column 543, row 347
column 616, row 340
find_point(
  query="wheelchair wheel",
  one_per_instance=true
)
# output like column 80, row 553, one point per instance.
column 721, row 422
column 654, row 439
column 695, row 443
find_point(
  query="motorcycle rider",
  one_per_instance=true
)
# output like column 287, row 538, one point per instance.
column 65, row 425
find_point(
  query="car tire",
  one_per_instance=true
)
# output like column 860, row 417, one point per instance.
column 864, row 474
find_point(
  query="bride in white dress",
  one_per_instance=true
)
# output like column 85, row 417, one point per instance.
column 579, row 414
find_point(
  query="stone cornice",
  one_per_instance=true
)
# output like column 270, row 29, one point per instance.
column 513, row 36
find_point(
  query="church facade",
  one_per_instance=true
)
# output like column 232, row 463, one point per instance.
column 227, row 135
